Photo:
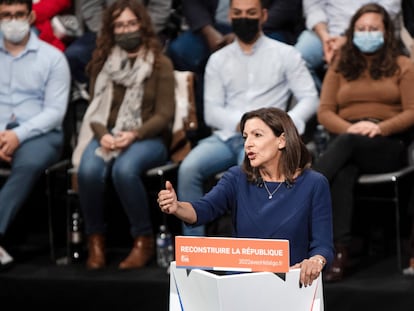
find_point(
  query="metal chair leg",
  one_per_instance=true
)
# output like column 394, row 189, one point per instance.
column 50, row 217
column 397, row 226
column 49, row 195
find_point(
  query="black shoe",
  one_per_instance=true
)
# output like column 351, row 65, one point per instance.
column 6, row 260
column 336, row 271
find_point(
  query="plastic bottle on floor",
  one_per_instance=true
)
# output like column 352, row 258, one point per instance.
column 76, row 236
column 165, row 247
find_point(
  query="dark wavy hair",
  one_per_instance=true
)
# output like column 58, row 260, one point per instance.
column 28, row 3
column 263, row 3
column 295, row 155
column 105, row 42
column 384, row 62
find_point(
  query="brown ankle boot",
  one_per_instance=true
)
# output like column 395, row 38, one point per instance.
column 96, row 252
column 141, row 253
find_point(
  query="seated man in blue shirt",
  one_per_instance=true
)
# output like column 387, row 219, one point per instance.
column 252, row 72
column 34, row 89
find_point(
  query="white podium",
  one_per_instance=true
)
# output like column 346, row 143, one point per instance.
column 200, row 290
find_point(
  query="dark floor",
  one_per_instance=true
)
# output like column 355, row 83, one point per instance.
column 36, row 281
column 376, row 287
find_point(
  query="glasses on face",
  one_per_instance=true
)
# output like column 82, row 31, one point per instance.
column 7, row 16
column 132, row 24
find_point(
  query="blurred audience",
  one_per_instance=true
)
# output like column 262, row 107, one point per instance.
column 126, row 128
column 43, row 12
column 407, row 35
column 253, row 71
column 80, row 51
column 34, row 90
column 210, row 29
column 326, row 23
column 367, row 105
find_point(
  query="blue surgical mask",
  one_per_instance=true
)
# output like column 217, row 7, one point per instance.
column 368, row 41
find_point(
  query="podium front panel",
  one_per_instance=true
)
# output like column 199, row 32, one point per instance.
column 199, row 290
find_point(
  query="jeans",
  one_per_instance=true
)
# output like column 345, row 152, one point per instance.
column 278, row 36
column 78, row 54
column 125, row 171
column 209, row 157
column 310, row 47
column 189, row 51
column 30, row 160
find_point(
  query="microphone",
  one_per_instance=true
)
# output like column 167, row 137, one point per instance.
column 259, row 182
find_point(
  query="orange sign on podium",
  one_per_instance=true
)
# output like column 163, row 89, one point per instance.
column 232, row 254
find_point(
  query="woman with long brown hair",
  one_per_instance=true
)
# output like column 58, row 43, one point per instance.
column 367, row 105
column 273, row 195
column 126, row 128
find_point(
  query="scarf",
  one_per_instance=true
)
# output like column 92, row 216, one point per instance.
column 117, row 69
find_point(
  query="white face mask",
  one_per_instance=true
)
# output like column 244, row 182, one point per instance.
column 15, row 30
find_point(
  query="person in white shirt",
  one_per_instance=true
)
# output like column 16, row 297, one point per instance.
column 34, row 90
column 252, row 72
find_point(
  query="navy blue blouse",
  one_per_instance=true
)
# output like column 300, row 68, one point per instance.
column 299, row 212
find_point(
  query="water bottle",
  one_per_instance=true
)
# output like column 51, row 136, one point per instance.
column 321, row 138
column 76, row 236
column 165, row 248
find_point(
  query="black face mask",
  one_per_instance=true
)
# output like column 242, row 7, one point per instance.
column 246, row 29
column 129, row 41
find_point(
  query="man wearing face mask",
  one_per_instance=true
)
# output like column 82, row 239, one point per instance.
column 252, row 72
column 209, row 29
column 34, row 88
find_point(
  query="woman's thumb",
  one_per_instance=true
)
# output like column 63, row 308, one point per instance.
column 168, row 186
